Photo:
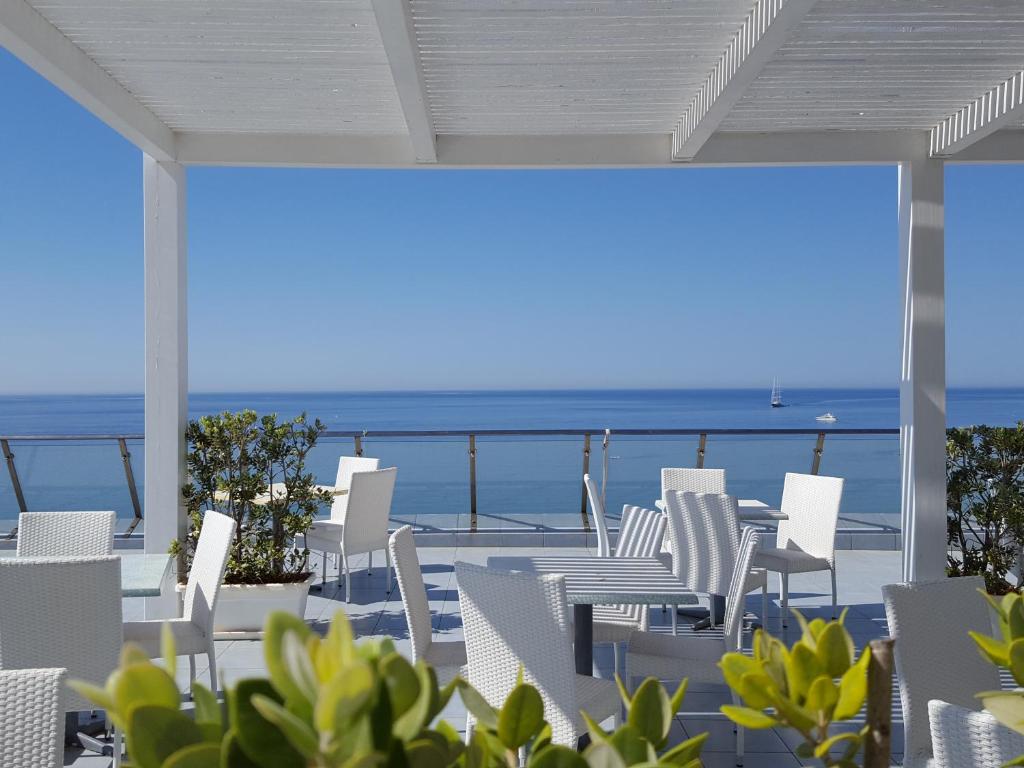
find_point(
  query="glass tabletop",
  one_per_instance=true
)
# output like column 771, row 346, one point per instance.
column 142, row 574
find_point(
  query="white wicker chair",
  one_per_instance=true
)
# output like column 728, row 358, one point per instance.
column 933, row 662
column 62, row 612
column 640, row 535
column 365, row 527
column 806, row 539
column 597, row 510
column 193, row 631
column 963, row 738
column 348, row 466
column 66, row 534
column 692, row 480
column 449, row 658
column 513, row 620
column 708, row 545
column 696, row 655
column 32, row 725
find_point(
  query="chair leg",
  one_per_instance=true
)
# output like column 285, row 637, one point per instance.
column 387, row 565
column 323, row 571
column 675, row 620
column 764, row 603
column 369, row 563
column 118, row 747
column 784, row 597
column 833, row 570
column 739, row 733
column 211, row 656
column 191, row 672
column 348, row 580
column 712, row 612
column 615, row 656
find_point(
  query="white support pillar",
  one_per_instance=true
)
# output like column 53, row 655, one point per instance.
column 923, row 372
column 166, row 352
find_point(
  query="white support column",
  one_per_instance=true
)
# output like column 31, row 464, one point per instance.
column 166, row 353
column 923, row 372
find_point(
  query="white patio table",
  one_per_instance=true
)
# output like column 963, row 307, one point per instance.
column 278, row 490
column 591, row 581
column 142, row 575
column 750, row 510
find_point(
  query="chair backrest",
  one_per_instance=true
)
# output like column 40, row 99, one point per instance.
column 414, row 591
column 963, row 738
column 811, row 504
column 934, row 661
column 66, row 534
column 707, row 541
column 347, row 466
column 597, row 510
column 32, row 726
column 640, row 535
column 738, row 588
column 692, row 480
column 62, row 612
column 512, row 620
column 369, row 507
column 207, row 571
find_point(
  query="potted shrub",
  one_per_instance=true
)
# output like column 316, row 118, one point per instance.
column 233, row 459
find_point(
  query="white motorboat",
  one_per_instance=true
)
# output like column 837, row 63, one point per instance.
column 826, row 417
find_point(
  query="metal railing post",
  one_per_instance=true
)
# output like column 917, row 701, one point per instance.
column 472, row 483
column 13, row 472
column 701, row 446
column 604, row 465
column 126, row 459
column 586, row 471
column 819, row 448
column 359, row 445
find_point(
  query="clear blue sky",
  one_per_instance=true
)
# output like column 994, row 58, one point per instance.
column 333, row 280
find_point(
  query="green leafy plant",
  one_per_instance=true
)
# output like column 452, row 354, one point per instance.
column 233, row 459
column 985, row 503
column 1006, row 651
column 332, row 703
column 808, row 687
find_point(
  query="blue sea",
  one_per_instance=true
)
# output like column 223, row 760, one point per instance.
column 521, row 481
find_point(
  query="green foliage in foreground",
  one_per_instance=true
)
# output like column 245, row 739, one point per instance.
column 1007, row 651
column 808, row 687
column 330, row 703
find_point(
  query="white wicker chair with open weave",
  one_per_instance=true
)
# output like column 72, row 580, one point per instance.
column 193, row 631
column 512, row 620
column 935, row 660
column 32, row 725
column 806, row 539
column 447, row 658
column 640, row 535
column 364, row 529
column 709, row 543
column 62, row 613
column 66, row 534
column 597, row 510
column 696, row 655
column 963, row 738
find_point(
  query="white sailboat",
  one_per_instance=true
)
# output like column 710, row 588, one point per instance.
column 776, row 394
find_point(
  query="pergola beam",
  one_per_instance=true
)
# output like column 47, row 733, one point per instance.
column 765, row 30
column 394, row 19
column 34, row 40
column 996, row 108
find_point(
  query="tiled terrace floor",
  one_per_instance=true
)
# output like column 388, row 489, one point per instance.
column 375, row 612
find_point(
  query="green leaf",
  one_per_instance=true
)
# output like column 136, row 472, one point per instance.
column 417, row 717
column 735, row 665
column 632, row 746
column 822, row 696
column 196, row 756
column 402, row 681
column 651, row 712
column 207, row 708
column 824, row 747
column 232, row 754
column 299, row 666
column 601, row 754
column 343, row 697
column 597, row 733
column 686, row 752
column 834, row 649
column 521, row 717
column 853, row 688
column 167, row 650
column 676, row 703
column 98, row 696
column 749, row 718
column 297, row 731
column 477, row 706
column 155, row 733
column 802, row 667
column 996, row 652
column 143, row 684
column 1005, row 706
column 556, row 756
column 277, row 626
column 757, row 690
column 543, row 737
column 423, row 753
column 263, row 744
column 1016, row 660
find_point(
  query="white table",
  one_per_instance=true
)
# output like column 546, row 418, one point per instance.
column 142, row 575
column 591, row 581
column 750, row 510
column 277, row 490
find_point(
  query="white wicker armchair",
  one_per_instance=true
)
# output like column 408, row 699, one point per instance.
column 640, row 535
column 513, row 620
column 66, row 534
column 932, row 661
column 448, row 658
column 32, row 725
column 62, row 612
column 193, row 631
column 963, row 738
column 806, row 539
column 696, row 655
column 364, row 529
column 597, row 510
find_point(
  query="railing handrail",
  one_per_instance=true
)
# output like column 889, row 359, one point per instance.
column 640, row 432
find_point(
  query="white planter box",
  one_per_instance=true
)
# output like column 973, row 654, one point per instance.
column 242, row 609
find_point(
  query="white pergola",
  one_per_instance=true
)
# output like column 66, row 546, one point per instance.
column 545, row 83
